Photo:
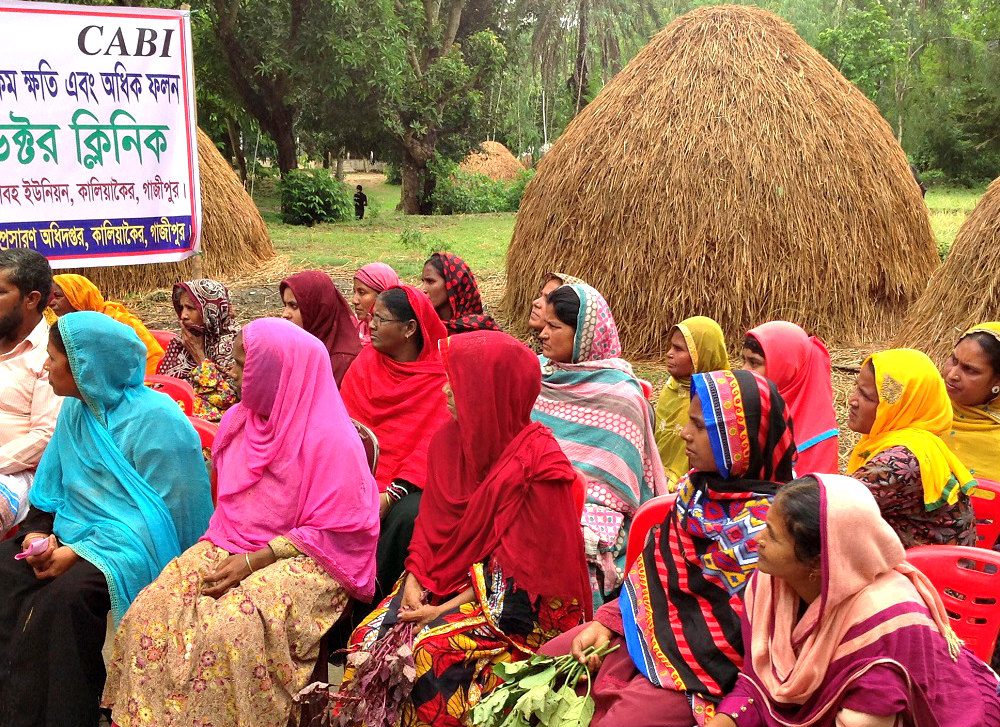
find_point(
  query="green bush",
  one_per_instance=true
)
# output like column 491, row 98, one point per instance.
column 458, row 192
column 934, row 178
column 309, row 196
column 393, row 173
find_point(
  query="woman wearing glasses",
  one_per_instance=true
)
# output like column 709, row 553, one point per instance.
column 395, row 388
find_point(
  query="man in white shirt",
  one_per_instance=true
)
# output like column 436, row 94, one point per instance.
column 28, row 406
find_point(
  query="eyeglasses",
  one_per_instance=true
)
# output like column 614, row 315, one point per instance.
column 379, row 320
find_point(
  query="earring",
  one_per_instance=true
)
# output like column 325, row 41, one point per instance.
column 995, row 389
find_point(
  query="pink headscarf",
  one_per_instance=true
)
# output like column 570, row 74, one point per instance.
column 290, row 462
column 799, row 365
column 379, row 277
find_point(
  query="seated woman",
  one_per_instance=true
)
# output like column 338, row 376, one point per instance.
column 394, row 388
column 203, row 353
column 972, row 379
column 497, row 514
column 369, row 281
column 596, row 408
column 677, row 621
column 840, row 631
column 536, row 317
column 311, row 301
column 120, row 490
column 451, row 286
column 800, row 365
column 696, row 345
column 229, row 633
column 900, row 408
column 74, row 292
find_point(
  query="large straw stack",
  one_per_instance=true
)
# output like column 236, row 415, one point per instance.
column 234, row 238
column 965, row 290
column 729, row 170
column 494, row 160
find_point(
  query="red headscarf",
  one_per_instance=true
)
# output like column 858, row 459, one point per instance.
column 463, row 296
column 498, row 484
column 403, row 403
column 326, row 315
column 799, row 365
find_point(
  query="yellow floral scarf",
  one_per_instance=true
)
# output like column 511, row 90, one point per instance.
column 914, row 411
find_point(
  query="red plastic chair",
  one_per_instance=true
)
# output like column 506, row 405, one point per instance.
column 206, row 433
column 986, row 503
column 968, row 580
column 370, row 442
column 579, row 492
column 650, row 513
column 12, row 533
column 178, row 390
column 163, row 337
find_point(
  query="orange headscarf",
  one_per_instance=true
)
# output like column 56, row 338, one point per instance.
column 84, row 295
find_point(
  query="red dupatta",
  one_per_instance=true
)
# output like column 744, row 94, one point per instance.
column 326, row 315
column 402, row 402
column 498, row 484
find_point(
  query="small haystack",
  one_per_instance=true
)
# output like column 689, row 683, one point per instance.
column 494, row 160
column 234, row 238
column 729, row 170
column 965, row 290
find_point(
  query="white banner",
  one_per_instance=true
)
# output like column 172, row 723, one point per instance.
column 98, row 137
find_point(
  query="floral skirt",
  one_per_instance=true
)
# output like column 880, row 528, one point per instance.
column 455, row 654
column 181, row 658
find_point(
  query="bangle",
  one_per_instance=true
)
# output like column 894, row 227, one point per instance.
column 247, row 556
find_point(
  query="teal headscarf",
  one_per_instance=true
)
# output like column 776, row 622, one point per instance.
column 123, row 473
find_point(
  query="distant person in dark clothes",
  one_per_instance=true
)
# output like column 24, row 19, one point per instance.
column 913, row 171
column 360, row 202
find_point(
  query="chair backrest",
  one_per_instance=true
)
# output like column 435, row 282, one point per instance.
column 650, row 513
column 162, row 337
column 370, row 441
column 985, row 497
column 579, row 492
column 206, row 433
column 968, row 580
column 178, row 390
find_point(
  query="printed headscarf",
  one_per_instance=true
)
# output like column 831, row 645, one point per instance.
column 914, row 411
column 463, row 296
column 707, row 345
column 219, row 325
column 975, row 433
column 681, row 627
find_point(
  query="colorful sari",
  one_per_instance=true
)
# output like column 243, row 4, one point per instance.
column 677, row 620
column 876, row 644
column 293, row 478
column 326, row 315
column 800, row 365
column 707, row 345
column 599, row 414
column 209, row 378
column 379, row 277
column 497, row 511
column 463, row 296
column 975, row 433
column 82, row 294
column 914, row 414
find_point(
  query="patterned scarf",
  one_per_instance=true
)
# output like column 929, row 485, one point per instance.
column 677, row 603
column 463, row 296
column 219, row 325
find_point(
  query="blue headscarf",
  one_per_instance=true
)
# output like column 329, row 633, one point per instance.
column 123, row 473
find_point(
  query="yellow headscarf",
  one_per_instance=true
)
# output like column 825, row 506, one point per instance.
column 707, row 346
column 914, row 411
column 975, row 434
column 82, row 294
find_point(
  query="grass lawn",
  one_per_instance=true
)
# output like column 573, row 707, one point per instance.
column 406, row 241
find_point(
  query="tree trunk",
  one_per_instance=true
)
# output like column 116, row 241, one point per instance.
column 410, row 193
column 327, row 159
column 340, row 166
column 581, row 74
column 284, row 137
column 236, row 145
column 426, row 207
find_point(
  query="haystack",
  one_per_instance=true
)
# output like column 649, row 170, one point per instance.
column 728, row 170
column 494, row 160
column 234, row 238
column 965, row 290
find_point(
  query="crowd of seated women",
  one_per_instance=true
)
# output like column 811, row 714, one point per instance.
column 775, row 591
